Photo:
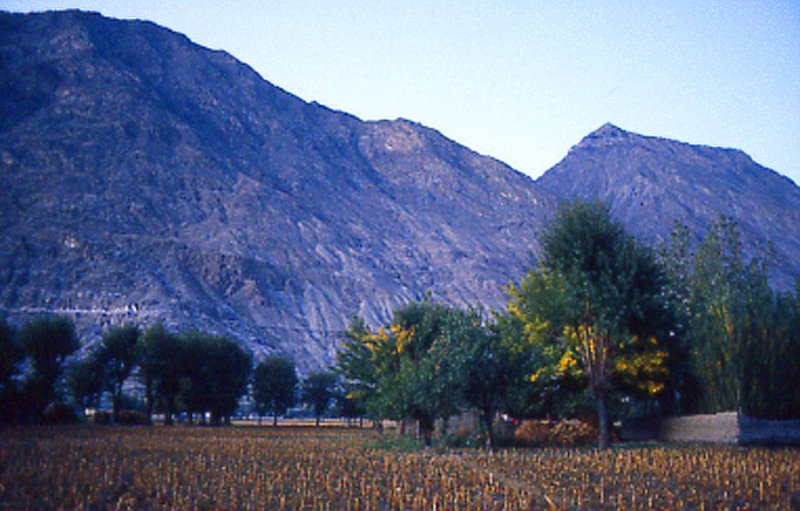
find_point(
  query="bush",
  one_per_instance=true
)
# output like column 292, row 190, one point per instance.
column 132, row 418
column 534, row 433
column 101, row 417
column 462, row 437
column 573, row 432
column 566, row 433
column 59, row 413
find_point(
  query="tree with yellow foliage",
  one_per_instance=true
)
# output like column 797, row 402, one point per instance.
column 596, row 308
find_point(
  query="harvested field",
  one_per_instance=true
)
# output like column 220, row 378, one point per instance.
column 92, row 467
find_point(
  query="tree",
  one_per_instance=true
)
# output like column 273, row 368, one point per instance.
column 597, row 302
column 231, row 367
column 356, row 363
column 151, row 352
column 491, row 366
column 166, row 357
column 11, row 357
column 117, row 354
column 742, row 346
column 274, row 386
column 417, row 377
column 86, row 379
column 217, row 370
column 47, row 341
column 424, row 363
column 318, row 391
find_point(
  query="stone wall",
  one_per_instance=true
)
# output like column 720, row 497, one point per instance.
column 718, row 428
column 726, row 428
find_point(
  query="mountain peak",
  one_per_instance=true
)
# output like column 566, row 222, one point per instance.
column 606, row 133
column 609, row 130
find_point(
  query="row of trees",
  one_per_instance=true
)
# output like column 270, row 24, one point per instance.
column 602, row 325
column 602, row 321
column 192, row 372
column 42, row 346
column 742, row 338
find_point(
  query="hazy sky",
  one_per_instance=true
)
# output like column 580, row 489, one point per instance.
column 520, row 81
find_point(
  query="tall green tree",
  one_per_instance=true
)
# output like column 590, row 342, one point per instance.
column 150, row 355
column 117, row 354
column 417, row 377
column 231, row 368
column 11, row 357
column 274, row 386
column 47, row 341
column 356, row 362
column 86, row 379
column 596, row 304
column 491, row 366
column 318, row 390
column 741, row 334
column 167, row 357
column 217, row 370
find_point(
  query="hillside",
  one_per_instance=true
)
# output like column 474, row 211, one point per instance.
column 142, row 176
column 651, row 182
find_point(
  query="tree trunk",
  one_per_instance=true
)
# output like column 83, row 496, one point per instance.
column 274, row 419
column 148, row 394
column 168, row 412
column 486, row 417
column 602, row 419
column 426, row 430
column 317, row 421
column 116, row 398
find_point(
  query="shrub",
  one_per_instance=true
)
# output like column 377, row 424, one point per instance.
column 101, row 417
column 534, row 433
column 462, row 437
column 567, row 433
column 573, row 432
column 59, row 413
column 132, row 418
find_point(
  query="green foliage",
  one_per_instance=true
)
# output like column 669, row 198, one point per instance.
column 487, row 366
column 319, row 389
column 47, row 342
column 216, row 372
column 356, row 363
column 150, row 359
column 418, row 376
column 596, row 310
column 743, row 345
column 85, row 380
column 11, row 356
column 430, row 362
column 161, row 358
column 274, row 386
column 117, row 356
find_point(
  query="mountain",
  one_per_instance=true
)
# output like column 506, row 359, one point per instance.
column 650, row 183
column 145, row 177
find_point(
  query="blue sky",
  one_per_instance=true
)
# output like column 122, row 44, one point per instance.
column 520, row 81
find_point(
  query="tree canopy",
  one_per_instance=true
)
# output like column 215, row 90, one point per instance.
column 596, row 307
column 274, row 386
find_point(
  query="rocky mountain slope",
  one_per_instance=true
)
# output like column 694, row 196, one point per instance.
column 652, row 182
column 142, row 176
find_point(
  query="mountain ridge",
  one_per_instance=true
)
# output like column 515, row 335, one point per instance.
column 144, row 177
column 153, row 178
column 674, row 181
